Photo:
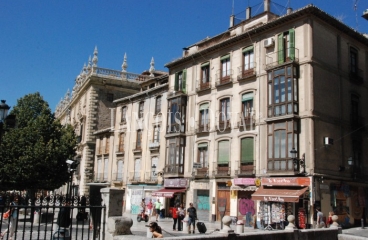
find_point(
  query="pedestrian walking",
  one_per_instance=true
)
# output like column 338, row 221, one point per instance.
column 320, row 222
column 175, row 217
column 12, row 218
column 181, row 215
column 192, row 213
column 157, row 207
column 149, row 207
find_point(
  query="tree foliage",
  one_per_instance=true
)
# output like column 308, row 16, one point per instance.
column 33, row 154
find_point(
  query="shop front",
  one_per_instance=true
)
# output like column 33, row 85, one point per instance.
column 136, row 193
column 242, row 191
column 278, row 198
column 173, row 194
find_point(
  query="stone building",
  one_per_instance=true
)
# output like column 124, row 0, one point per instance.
column 243, row 102
column 90, row 108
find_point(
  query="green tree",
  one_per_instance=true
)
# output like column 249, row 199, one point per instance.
column 33, row 154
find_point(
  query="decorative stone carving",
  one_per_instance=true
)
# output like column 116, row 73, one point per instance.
column 291, row 225
column 124, row 66
column 95, row 58
column 226, row 220
column 152, row 68
column 334, row 222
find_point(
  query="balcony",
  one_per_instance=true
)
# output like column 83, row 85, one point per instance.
column 175, row 128
column 119, row 149
column 174, row 170
column 246, row 121
column 223, row 125
column 203, row 86
column 201, row 173
column 224, row 80
column 154, row 145
column 245, row 169
column 177, row 92
column 279, row 58
column 247, row 74
column 100, row 177
column 203, row 127
column 134, row 177
column 151, row 178
column 221, row 170
column 137, row 147
column 118, row 177
column 356, row 75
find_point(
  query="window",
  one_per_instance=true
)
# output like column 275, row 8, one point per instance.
column 107, row 148
column 175, row 152
column 247, row 151
column 205, row 75
column 99, row 170
column 286, row 46
column 123, row 114
column 156, row 134
column 225, row 110
column 121, row 143
column 81, row 132
column 180, row 81
column 248, row 59
column 120, row 166
column 225, row 66
column 137, row 169
column 247, row 105
column 223, row 156
column 176, row 115
column 282, row 92
column 158, row 105
column 203, row 155
column 141, row 110
column 106, row 169
column 101, row 146
column 204, row 117
column 138, row 145
column 355, row 118
column 282, row 137
column 353, row 60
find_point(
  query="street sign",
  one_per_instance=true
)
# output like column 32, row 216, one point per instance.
column 197, row 165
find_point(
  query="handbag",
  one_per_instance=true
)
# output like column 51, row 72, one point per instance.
column 6, row 215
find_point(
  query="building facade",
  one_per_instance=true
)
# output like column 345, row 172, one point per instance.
column 241, row 104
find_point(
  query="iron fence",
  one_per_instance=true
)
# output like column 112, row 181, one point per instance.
column 53, row 217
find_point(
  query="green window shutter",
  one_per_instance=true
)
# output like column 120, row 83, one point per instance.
column 176, row 84
column 247, row 96
column 204, row 106
column 292, row 44
column 202, row 145
column 205, row 64
column 225, row 57
column 247, row 49
column 280, row 48
column 247, row 150
column 184, row 82
column 223, row 152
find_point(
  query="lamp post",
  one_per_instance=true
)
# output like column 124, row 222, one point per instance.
column 351, row 164
column 298, row 162
column 4, row 108
column 70, row 182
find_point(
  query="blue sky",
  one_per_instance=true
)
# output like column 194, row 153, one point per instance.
column 44, row 43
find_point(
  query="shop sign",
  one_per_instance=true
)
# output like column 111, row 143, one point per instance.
column 176, row 183
column 244, row 181
column 273, row 199
column 286, row 181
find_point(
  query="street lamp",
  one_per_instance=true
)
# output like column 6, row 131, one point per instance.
column 154, row 170
column 298, row 162
column 70, row 171
column 4, row 108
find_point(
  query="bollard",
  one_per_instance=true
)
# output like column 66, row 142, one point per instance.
column 185, row 224
column 239, row 226
column 149, row 233
column 36, row 218
column 362, row 221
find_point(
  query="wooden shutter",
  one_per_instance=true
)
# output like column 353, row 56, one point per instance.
column 247, row 145
column 223, row 152
column 184, row 81
column 280, row 48
column 292, row 44
column 176, row 84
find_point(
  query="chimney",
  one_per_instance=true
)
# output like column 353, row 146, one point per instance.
column 248, row 12
column 266, row 4
column 289, row 10
column 232, row 17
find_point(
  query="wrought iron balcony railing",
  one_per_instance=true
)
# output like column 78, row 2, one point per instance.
column 222, row 79
column 117, row 176
column 277, row 58
column 247, row 71
column 203, row 126
column 202, row 86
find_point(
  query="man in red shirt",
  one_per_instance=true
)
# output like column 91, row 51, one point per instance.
column 149, row 208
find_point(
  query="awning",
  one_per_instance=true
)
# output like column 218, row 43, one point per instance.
column 238, row 188
column 167, row 192
column 278, row 194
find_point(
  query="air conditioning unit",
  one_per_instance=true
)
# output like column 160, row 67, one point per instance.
column 269, row 42
column 328, row 141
